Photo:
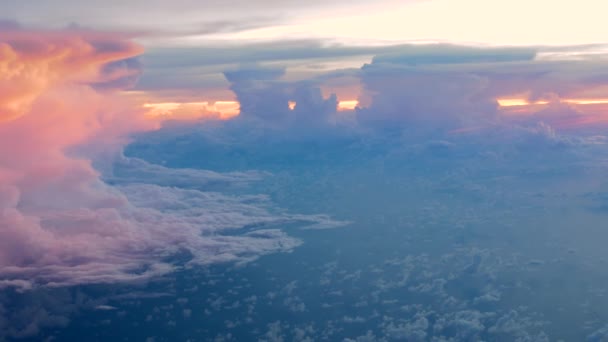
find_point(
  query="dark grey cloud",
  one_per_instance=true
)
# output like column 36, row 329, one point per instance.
column 213, row 53
column 454, row 54
column 253, row 74
column 512, row 70
column 203, row 67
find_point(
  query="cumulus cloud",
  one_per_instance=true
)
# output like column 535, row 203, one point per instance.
column 446, row 86
column 408, row 95
column 431, row 88
column 260, row 93
column 265, row 98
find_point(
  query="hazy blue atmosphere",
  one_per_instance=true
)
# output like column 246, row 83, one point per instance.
column 468, row 238
column 418, row 170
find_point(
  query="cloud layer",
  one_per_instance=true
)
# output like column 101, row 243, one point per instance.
column 428, row 162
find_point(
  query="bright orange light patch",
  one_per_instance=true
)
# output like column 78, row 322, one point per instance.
column 591, row 110
column 292, row 105
column 192, row 110
column 227, row 109
column 347, row 105
column 587, row 101
column 518, row 102
column 161, row 109
column 512, row 102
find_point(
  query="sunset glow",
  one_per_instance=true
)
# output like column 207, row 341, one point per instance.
column 514, row 102
column 223, row 110
column 192, row 110
column 347, row 105
column 518, row 102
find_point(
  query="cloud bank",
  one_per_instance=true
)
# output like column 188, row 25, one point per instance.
column 61, row 110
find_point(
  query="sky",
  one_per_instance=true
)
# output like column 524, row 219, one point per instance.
column 505, row 23
column 273, row 170
column 189, row 44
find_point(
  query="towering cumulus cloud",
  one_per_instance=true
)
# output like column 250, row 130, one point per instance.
column 60, row 224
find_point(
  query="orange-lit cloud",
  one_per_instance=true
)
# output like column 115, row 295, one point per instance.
column 561, row 113
column 347, row 105
column 512, row 102
column 222, row 110
column 292, row 105
column 185, row 108
column 54, row 210
column 29, row 65
column 518, row 102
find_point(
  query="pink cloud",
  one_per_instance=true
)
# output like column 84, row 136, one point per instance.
column 60, row 224
column 47, row 107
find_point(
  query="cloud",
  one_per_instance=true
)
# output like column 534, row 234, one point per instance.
column 75, row 210
column 181, row 17
column 133, row 170
column 447, row 87
column 443, row 85
column 455, row 54
column 60, row 222
column 311, row 108
column 31, row 66
column 411, row 96
column 122, row 74
column 265, row 98
column 201, row 67
column 260, row 94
